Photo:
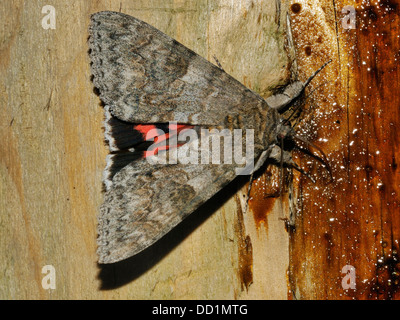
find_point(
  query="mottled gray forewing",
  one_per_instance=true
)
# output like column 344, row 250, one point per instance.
column 146, row 201
column 146, row 76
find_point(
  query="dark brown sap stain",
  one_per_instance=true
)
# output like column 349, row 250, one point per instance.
column 260, row 209
column 264, row 192
column 245, row 252
column 360, row 218
column 246, row 263
column 295, row 7
column 308, row 50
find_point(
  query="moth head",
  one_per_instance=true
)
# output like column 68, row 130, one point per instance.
column 285, row 132
column 286, row 137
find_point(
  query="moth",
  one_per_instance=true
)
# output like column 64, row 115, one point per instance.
column 150, row 83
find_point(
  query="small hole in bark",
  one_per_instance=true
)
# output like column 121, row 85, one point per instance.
column 295, row 7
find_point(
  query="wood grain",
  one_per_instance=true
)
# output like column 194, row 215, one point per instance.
column 353, row 221
column 52, row 156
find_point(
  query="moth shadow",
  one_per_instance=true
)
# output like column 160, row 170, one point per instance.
column 120, row 273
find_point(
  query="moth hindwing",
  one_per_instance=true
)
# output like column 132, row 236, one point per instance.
column 144, row 78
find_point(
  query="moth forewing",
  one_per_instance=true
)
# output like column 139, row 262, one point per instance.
column 147, row 199
column 146, row 77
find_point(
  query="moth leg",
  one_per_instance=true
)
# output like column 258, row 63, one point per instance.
column 291, row 223
column 263, row 157
column 283, row 157
column 276, row 154
column 218, row 63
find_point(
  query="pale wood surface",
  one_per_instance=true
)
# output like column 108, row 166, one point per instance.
column 52, row 156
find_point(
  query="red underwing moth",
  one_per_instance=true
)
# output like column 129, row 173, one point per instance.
column 155, row 90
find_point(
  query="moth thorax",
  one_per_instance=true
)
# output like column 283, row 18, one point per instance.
column 284, row 132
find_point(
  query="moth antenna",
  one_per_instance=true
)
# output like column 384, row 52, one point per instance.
column 282, row 101
column 324, row 160
column 315, row 89
column 316, row 72
column 286, row 121
column 218, row 63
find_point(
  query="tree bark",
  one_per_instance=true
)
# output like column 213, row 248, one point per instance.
column 52, row 156
column 346, row 240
